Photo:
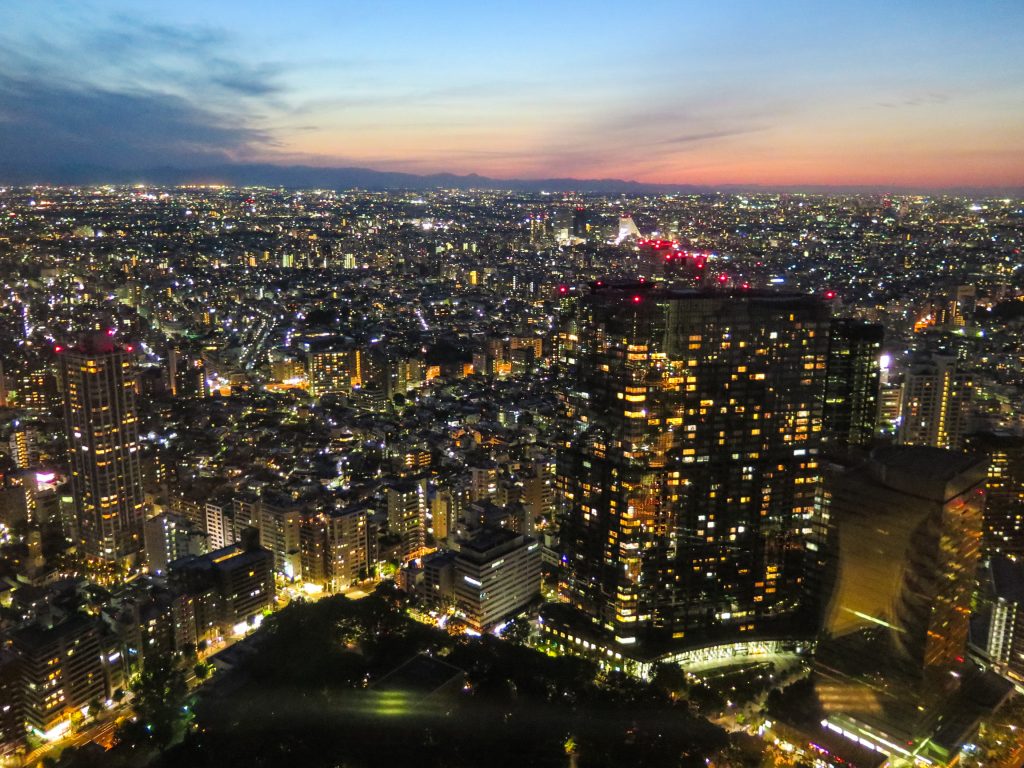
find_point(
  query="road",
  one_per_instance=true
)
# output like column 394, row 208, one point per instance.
column 101, row 732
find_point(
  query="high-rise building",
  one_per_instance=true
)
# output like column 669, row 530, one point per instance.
column 232, row 587
column 186, row 371
column 896, row 545
column 579, row 222
column 333, row 370
column 103, row 442
column 169, row 537
column 12, row 721
column 851, row 389
column 497, row 574
column 1002, row 617
column 937, row 399
column 687, row 484
column 338, row 547
column 1004, row 490
column 407, row 514
column 279, row 526
column 62, row 671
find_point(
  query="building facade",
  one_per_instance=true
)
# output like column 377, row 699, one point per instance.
column 687, row 479
column 103, row 442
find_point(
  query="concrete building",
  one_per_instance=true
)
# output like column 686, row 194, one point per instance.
column 169, row 537
column 232, row 587
column 279, row 524
column 936, row 406
column 407, row 514
column 62, row 671
column 497, row 574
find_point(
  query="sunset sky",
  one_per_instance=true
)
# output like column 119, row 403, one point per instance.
column 757, row 92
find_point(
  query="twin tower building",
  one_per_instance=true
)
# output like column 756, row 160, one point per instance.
column 718, row 486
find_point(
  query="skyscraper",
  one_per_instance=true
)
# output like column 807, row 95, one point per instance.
column 103, row 442
column 937, row 398
column 851, row 391
column 898, row 539
column 687, row 481
column 1004, row 490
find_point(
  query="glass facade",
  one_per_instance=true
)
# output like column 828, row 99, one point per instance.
column 687, row 476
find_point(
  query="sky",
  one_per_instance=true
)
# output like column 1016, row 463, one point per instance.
column 768, row 92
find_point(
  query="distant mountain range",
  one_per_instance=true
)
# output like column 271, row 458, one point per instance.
column 311, row 177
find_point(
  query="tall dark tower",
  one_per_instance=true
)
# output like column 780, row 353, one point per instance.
column 851, row 391
column 103, row 442
column 688, row 479
column 579, row 222
column 1004, row 488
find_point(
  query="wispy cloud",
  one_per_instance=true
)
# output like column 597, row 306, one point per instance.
column 138, row 95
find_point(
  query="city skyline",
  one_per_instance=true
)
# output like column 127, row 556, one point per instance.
column 868, row 95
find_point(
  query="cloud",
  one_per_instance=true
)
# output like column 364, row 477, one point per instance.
column 138, row 96
column 703, row 136
column 46, row 124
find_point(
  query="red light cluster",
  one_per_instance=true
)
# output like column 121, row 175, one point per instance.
column 658, row 244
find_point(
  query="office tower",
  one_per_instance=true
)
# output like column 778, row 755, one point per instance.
column 169, row 537
column 851, row 388
column 62, row 671
column 664, row 260
column 579, row 222
column 1004, row 490
column 1001, row 625
column 497, row 574
column 937, row 399
column 688, row 481
column 896, row 543
column 407, row 514
column 103, row 443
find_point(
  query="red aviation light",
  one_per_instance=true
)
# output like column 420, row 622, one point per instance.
column 58, row 349
column 637, row 299
column 830, row 294
column 563, row 289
